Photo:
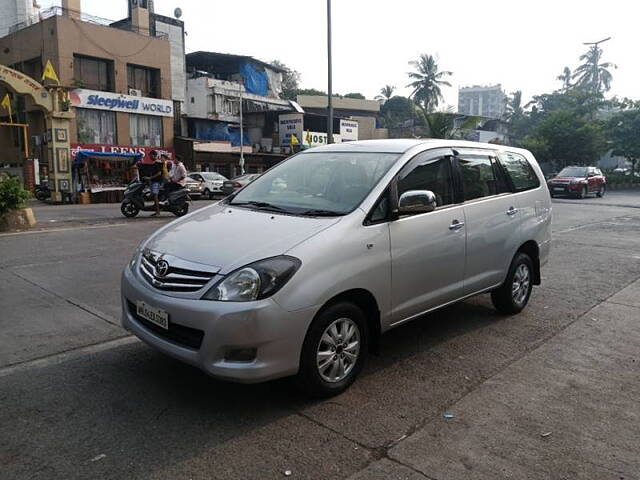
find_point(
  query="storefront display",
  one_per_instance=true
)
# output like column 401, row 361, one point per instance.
column 97, row 172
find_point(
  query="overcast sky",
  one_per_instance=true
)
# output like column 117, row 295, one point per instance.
column 520, row 44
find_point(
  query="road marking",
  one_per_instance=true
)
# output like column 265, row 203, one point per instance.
column 71, row 354
column 66, row 229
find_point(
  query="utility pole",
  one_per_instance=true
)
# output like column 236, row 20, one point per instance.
column 241, row 134
column 330, row 77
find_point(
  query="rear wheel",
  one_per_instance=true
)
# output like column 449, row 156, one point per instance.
column 601, row 191
column 334, row 350
column 513, row 295
column 181, row 210
column 129, row 209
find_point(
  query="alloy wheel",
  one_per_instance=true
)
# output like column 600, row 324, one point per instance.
column 338, row 350
column 521, row 284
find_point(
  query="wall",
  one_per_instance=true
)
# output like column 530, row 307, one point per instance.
column 197, row 90
column 178, row 64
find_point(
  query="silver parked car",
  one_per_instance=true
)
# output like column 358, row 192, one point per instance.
column 301, row 271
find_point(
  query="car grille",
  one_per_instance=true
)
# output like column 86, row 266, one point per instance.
column 178, row 334
column 175, row 279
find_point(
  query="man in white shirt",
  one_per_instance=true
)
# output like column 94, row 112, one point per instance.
column 177, row 176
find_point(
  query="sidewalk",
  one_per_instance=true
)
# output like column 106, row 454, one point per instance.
column 569, row 409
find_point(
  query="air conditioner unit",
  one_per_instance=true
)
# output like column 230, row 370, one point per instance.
column 134, row 92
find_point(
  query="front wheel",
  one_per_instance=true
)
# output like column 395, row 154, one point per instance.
column 513, row 295
column 600, row 193
column 334, row 350
column 583, row 193
column 129, row 209
column 181, row 210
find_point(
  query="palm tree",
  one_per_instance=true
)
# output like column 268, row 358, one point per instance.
column 386, row 93
column 565, row 77
column 427, row 82
column 514, row 106
column 592, row 74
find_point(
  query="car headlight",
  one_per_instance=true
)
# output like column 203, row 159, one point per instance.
column 255, row 281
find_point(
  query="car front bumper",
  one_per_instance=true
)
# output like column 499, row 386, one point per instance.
column 219, row 328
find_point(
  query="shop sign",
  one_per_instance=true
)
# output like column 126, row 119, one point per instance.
column 117, row 102
column 88, row 147
column 290, row 124
column 348, row 130
column 315, row 139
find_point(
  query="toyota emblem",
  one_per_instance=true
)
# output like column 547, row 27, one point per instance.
column 162, row 268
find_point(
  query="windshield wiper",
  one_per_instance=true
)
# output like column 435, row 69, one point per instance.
column 319, row 212
column 261, row 205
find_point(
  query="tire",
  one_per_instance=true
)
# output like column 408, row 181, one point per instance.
column 601, row 192
column 40, row 195
column 327, row 379
column 207, row 194
column 129, row 209
column 180, row 210
column 506, row 299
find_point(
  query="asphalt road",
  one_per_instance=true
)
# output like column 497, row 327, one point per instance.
column 550, row 393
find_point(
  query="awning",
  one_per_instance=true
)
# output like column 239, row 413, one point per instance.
column 83, row 156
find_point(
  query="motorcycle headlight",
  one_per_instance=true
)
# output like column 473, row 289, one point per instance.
column 255, row 281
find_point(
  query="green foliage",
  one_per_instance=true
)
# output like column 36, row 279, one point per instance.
column 623, row 132
column 397, row 110
column 311, row 91
column 290, row 81
column 593, row 75
column 427, row 82
column 386, row 93
column 568, row 139
column 355, row 95
column 12, row 194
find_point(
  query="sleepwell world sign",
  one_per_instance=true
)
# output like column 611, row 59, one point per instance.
column 117, row 102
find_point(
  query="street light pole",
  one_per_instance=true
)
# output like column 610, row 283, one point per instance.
column 330, row 77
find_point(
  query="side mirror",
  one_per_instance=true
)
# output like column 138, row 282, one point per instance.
column 417, row 201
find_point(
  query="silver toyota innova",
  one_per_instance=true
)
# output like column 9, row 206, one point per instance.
column 302, row 270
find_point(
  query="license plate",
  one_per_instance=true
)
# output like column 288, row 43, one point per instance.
column 155, row 315
column 558, row 189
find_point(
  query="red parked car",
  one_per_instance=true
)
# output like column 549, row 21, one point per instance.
column 578, row 182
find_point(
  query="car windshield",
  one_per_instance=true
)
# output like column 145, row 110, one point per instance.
column 213, row 176
column 322, row 183
column 573, row 172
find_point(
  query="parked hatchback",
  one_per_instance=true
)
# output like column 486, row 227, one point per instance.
column 235, row 184
column 211, row 183
column 300, row 272
column 578, row 182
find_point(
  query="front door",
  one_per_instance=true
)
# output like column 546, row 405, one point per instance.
column 427, row 249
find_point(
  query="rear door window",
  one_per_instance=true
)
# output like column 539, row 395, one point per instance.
column 520, row 172
column 478, row 174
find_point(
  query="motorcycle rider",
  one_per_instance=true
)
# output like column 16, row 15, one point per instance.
column 177, row 177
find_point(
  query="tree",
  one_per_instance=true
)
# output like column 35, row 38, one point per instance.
column 427, row 82
column 290, row 81
column 386, row 93
column 565, row 77
column 356, row 95
column 311, row 91
column 397, row 111
column 514, row 106
column 593, row 75
column 623, row 131
column 569, row 139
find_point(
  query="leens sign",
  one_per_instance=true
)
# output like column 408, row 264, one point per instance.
column 117, row 102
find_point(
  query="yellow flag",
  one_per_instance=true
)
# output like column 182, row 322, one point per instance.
column 50, row 73
column 6, row 103
column 294, row 139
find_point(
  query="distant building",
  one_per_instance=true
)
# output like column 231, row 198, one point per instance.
column 17, row 14
column 484, row 101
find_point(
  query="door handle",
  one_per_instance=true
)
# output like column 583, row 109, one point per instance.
column 512, row 211
column 456, row 225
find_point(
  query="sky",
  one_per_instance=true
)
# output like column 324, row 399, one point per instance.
column 523, row 45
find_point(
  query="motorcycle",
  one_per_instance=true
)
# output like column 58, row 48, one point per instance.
column 177, row 202
column 42, row 192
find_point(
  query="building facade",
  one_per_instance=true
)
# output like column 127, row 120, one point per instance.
column 483, row 101
column 119, row 76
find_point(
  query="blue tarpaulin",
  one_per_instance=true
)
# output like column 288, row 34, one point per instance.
column 255, row 81
column 219, row 131
column 83, row 155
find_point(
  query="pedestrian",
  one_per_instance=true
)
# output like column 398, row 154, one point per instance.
column 155, row 180
column 177, row 176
